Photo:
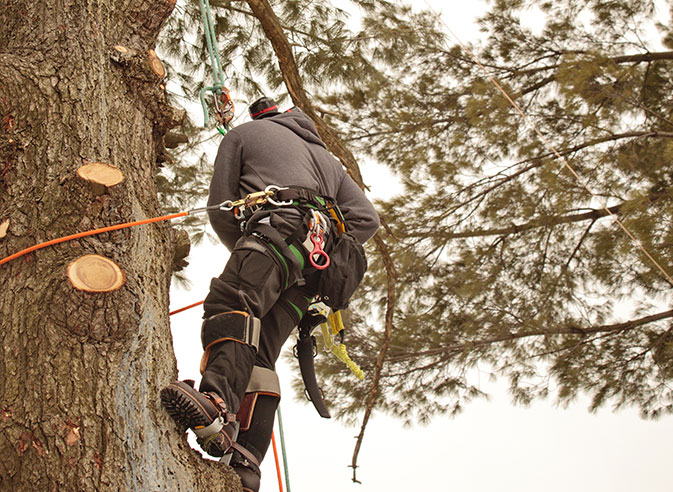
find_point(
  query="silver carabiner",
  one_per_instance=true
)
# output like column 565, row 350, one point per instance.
column 273, row 189
column 318, row 223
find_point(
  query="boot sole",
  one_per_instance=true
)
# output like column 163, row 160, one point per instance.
column 187, row 412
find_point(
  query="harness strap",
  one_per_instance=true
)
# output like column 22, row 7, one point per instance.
column 273, row 237
column 275, row 197
column 247, row 455
column 308, row 197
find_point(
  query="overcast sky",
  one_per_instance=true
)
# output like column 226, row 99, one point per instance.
column 492, row 446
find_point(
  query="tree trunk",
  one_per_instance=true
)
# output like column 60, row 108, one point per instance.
column 79, row 371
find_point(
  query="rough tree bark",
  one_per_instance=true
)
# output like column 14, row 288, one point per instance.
column 80, row 372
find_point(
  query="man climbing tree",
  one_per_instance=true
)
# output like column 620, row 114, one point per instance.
column 498, row 247
column 81, row 368
column 285, row 198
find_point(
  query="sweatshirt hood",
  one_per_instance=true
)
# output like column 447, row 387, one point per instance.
column 298, row 122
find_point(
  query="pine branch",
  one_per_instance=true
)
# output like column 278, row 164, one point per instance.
column 390, row 310
column 641, row 58
column 312, row 36
column 501, row 178
column 547, row 221
column 570, row 330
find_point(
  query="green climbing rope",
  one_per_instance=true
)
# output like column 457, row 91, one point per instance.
column 219, row 91
column 282, row 447
column 211, row 40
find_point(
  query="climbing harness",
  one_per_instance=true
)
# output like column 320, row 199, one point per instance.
column 309, row 241
column 275, row 196
column 224, row 106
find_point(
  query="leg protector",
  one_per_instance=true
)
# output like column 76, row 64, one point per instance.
column 227, row 372
column 229, row 341
column 254, row 440
column 262, row 382
column 232, row 325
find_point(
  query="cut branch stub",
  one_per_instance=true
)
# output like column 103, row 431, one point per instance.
column 4, row 225
column 156, row 65
column 123, row 55
column 95, row 273
column 100, row 175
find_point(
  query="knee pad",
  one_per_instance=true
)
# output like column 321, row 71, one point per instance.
column 236, row 326
column 232, row 325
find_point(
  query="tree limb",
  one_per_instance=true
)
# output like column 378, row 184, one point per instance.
column 569, row 330
column 390, row 310
column 640, row 58
column 533, row 224
column 537, row 161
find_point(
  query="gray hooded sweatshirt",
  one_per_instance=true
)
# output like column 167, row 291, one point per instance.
column 283, row 150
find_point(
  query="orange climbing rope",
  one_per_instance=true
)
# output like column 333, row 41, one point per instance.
column 275, row 455
column 225, row 206
column 90, row 233
column 185, row 308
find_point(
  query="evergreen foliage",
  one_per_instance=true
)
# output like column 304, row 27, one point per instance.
column 506, row 263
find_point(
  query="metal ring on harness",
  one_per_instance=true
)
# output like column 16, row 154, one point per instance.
column 274, row 189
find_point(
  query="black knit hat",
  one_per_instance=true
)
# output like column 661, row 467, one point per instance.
column 264, row 106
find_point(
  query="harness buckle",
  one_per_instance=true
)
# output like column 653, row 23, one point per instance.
column 257, row 198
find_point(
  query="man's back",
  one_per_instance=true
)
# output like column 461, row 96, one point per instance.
column 283, row 150
column 286, row 150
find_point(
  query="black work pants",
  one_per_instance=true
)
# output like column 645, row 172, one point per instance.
column 258, row 281
column 255, row 280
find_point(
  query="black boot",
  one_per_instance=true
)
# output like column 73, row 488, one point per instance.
column 205, row 413
column 226, row 367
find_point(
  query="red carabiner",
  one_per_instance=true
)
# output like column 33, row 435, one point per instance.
column 318, row 241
